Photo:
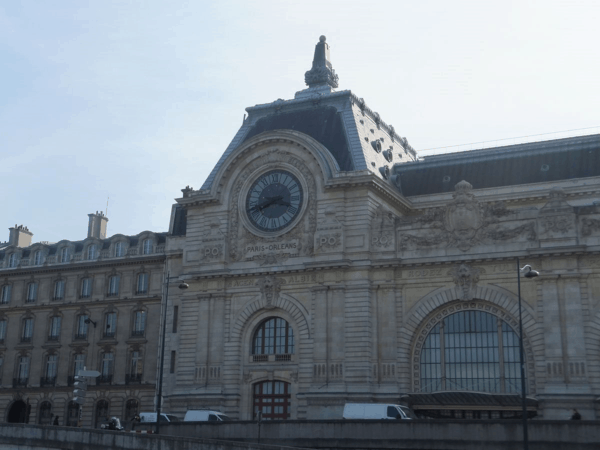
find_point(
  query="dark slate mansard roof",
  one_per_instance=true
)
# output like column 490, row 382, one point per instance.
column 536, row 162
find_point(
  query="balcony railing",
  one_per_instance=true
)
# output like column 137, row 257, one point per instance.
column 53, row 338
column 137, row 333
column 133, row 379
column 81, row 336
column 85, row 296
column 55, row 298
column 26, row 339
column 20, row 382
column 142, row 291
column 109, row 334
column 112, row 294
column 47, row 381
column 282, row 357
column 104, row 379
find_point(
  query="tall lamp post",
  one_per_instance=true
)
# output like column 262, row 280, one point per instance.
column 162, row 350
column 528, row 272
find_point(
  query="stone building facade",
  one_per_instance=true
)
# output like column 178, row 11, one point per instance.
column 73, row 304
column 328, row 263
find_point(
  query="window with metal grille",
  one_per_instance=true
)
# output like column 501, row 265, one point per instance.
column 473, row 351
column 139, row 323
column 54, row 333
column 113, row 285
column 272, row 400
column 6, row 291
column 82, row 327
column 59, row 289
column 3, row 325
column 110, row 324
column 31, row 292
column 86, row 287
column 273, row 336
column 27, row 329
column 142, row 283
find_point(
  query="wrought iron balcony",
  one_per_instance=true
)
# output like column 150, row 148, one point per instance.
column 138, row 333
column 104, row 379
column 109, row 334
column 54, row 337
column 25, row 338
column 20, row 382
column 48, row 381
column 135, row 378
column 81, row 336
column 141, row 291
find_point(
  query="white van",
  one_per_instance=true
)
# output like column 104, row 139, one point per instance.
column 377, row 411
column 146, row 417
column 205, row 415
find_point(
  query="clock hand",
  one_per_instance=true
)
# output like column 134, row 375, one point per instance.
column 266, row 203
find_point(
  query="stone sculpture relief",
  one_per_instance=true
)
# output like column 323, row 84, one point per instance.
column 463, row 223
column 269, row 288
column 466, row 278
column 382, row 230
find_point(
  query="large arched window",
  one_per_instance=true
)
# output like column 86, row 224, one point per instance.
column 101, row 413
column 274, row 336
column 45, row 417
column 471, row 351
column 272, row 400
column 131, row 409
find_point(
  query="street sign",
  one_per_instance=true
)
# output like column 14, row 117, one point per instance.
column 89, row 373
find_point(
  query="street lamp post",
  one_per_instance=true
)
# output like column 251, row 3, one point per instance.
column 162, row 350
column 528, row 272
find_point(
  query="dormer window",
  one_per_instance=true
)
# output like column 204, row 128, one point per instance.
column 12, row 260
column 147, row 248
column 37, row 258
column 92, row 252
column 119, row 249
column 64, row 255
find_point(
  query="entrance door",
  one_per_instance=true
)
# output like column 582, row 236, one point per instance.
column 272, row 399
column 17, row 412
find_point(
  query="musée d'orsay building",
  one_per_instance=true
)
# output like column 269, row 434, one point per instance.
column 327, row 262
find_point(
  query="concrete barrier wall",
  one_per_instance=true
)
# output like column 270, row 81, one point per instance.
column 387, row 434
column 37, row 437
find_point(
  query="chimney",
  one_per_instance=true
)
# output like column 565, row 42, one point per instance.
column 97, row 225
column 20, row 236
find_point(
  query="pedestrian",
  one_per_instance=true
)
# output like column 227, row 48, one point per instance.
column 576, row 415
column 55, row 420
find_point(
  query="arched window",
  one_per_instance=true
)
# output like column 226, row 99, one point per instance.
column 272, row 400
column 45, row 416
column 274, row 336
column 72, row 414
column 101, row 412
column 31, row 292
column 471, row 351
column 131, row 409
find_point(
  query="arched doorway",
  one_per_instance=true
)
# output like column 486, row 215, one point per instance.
column 18, row 412
column 272, row 400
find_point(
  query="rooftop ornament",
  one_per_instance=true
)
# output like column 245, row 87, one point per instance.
column 322, row 73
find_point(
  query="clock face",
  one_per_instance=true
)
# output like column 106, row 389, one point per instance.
column 274, row 200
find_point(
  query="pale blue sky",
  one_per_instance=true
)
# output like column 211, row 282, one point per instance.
column 134, row 100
